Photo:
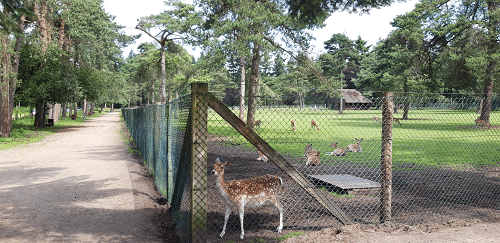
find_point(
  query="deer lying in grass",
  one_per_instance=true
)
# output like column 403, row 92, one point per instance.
column 262, row 157
column 312, row 155
column 73, row 117
column 294, row 125
column 355, row 148
column 251, row 192
column 314, row 124
column 482, row 123
column 338, row 150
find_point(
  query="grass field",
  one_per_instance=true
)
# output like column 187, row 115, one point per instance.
column 429, row 137
column 23, row 131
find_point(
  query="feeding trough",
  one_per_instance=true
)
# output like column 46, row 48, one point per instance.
column 345, row 183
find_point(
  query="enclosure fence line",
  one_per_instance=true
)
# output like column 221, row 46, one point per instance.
column 397, row 176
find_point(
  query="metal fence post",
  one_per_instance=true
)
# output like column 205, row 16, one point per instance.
column 199, row 148
column 386, row 158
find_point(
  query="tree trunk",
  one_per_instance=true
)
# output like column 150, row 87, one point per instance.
column 15, row 69
column 40, row 115
column 65, row 108
column 84, row 108
column 341, row 106
column 50, row 110
column 406, row 110
column 163, row 93
column 489, row 82
column 487, row 94
column 43, row 26
column 5, row 73
column 254, row 78
column 242, row 89
column 76, row 109
column 56, row 111
column 153, row 92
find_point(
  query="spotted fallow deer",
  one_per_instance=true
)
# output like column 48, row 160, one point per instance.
column 252, row 192
column 294, row 125
column 338, row 150
column 314, row 124
column 356, row 147
column 312, row 155
column 262, row 157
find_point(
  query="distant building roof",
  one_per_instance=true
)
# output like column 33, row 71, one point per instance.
column 354, row 96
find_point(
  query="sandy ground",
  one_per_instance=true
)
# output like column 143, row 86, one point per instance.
column 81, row 185
column 457, row 231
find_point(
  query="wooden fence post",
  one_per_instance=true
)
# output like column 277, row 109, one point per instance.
column 199, row 106
column 386, row 158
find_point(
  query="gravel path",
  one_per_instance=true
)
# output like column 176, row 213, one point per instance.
column 79, row 185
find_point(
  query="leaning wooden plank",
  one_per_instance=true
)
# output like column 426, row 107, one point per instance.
column 276, row 158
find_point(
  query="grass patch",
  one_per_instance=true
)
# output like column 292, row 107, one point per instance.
column 24, row 132
column 336, row 194
column 429, row 137
column 293, row 234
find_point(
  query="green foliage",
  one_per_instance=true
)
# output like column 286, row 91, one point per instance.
column 41, row 75
column 23, row 131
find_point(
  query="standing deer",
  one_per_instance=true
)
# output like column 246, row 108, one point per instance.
column 314, row 124
column 294, row 125
column 252, row 192
column 312, row 155
column 257, row 123
column 356, row 148
column 338, row 150
column 376, row 119
column 262, row 157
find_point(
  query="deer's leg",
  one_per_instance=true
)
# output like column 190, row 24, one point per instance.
column 228, row 212
column 279, row 206
column 242, row 214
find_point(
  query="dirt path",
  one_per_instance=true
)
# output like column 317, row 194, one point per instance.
column 79, row 185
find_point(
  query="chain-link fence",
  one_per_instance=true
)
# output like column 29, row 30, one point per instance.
column 339, row 160
column 159, row 133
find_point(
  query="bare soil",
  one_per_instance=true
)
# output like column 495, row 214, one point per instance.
column 81, row 185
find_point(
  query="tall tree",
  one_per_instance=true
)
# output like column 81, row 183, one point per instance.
column 12, row 22
column 448, row 22
column 171, row 25
column 248, row 28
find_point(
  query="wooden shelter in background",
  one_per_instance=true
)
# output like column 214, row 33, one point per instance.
column 353, row 100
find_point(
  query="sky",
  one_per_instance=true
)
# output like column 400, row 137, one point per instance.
column 371, row 27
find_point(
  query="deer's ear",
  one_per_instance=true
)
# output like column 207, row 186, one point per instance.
column 217, row 160
column 227, row 163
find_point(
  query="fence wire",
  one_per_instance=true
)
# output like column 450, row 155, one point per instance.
column 445, row 162
column 159, row 133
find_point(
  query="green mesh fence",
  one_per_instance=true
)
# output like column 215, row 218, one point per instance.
column 159, row 133
column 445, row 161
